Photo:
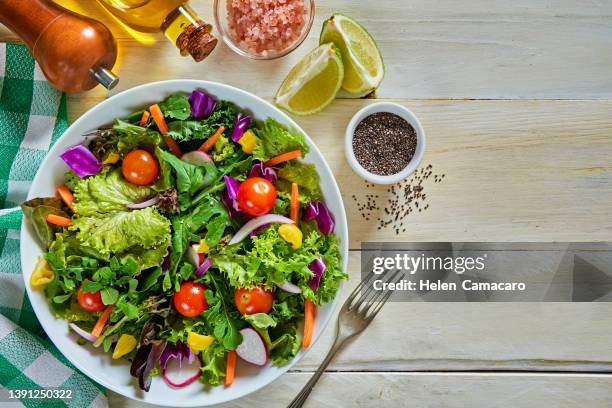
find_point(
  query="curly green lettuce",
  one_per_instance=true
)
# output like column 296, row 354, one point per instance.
column 116, row 232
column 274, row 139
column 107, row 192
column 304, row 175
column 272, row 261
column 223, row 149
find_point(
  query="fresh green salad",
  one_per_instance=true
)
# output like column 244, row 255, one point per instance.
column 186, row 236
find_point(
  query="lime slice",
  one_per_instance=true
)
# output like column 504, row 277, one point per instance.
column 364, row 68
column 312, row 84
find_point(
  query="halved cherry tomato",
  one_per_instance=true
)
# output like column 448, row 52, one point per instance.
column 251, row 301
column 190, row 300
column 140, row 167
column 256, row 196
column 91, row 302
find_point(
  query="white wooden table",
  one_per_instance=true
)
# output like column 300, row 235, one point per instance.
column 516, row 101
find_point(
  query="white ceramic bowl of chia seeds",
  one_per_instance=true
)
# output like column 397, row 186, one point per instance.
column 401, row 157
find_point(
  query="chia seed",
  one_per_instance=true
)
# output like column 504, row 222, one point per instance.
column 391, row 210
column 384, row 143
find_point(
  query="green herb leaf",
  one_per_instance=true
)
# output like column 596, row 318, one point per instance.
column 109, row 296
column 189, row 178
column 260, row 320
column 176, row 106
column 61, row 298
column 90, row 287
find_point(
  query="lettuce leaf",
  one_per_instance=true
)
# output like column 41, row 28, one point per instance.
column 176, row 106
column 304, row 175
column 285, row 347
column 107, row 192
column 119, row 231
column 189, row 178
column 271, row 261
column 36, row 211
column 122, row 138
column 223, row 149
column 148, row 258
column 274, row 139
column 133, row 136
column 213, row 367
column 187, row 130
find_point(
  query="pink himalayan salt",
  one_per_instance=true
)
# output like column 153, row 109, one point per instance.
column 265, row 26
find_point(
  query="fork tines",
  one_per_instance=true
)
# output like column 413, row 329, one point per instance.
column 367, row 301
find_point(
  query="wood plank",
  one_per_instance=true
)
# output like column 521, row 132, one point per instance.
column 474, row 336
column 428, row 390
column 483, row 49
column 514, row 170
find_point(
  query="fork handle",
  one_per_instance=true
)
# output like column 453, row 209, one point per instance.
column 299, row 400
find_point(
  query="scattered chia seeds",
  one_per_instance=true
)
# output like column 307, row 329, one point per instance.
column 402, row 199
column 384, row 143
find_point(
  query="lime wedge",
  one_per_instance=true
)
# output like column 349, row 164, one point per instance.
column 364, row 68
column 312, row 84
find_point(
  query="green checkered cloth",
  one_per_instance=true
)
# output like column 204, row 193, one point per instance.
column 32, row 117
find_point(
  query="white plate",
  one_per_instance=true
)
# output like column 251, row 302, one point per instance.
column 97, row 364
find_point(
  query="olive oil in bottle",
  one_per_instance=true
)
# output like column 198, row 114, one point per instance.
column 175, row 18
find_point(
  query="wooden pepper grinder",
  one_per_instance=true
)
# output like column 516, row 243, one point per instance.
column 74, row 52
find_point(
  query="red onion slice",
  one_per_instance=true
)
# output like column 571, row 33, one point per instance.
column 204, row 266
column 144, row 204
column 289, row 287
column 256, row 223
column 86, row 335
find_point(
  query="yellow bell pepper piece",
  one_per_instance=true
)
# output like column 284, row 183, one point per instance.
column 248, row 141
column 203, row 247
column 292, row 234
column 125, row 344
column 199, row 342
column 41, row 275
column 112, row 158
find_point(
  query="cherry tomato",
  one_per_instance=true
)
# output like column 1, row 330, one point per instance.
column 140, row 168
column 256, row 196
column 91, row 302
column 251, row 301
column 190, row 300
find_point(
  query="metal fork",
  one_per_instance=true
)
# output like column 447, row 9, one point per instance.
column 361, row 307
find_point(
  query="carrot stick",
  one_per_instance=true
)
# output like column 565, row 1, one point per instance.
column 158, row 118
column 97, row 330
column 66, row 196
column 230, row 368
column 144, row 118
column 294, row 204
column 58, row 220
column 294, row 154
column 309, row 318
column 207, row 145
column 173, row 146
